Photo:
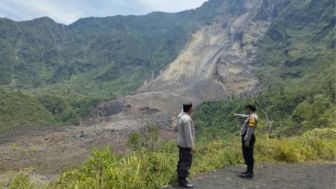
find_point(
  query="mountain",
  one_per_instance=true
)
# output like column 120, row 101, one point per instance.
column 70, row 68
column 112, row 55
column 280, row 52
column 214, row 65
column 295, row 62
column 277, row 54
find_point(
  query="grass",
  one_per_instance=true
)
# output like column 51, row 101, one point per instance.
column 153, row 169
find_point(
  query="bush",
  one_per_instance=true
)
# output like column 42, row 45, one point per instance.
column 21, row 181
column 60, row 109
column 154, row 169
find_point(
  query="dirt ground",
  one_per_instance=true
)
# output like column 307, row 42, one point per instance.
column 48, row 151
column 271, row 176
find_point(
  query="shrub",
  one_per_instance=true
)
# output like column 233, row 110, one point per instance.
column 153, row 169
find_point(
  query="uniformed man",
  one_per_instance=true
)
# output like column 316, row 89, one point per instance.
column 248, row 138
column 186, row 145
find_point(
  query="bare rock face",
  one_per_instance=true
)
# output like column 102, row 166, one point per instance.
column 215, row 64
column 110, row 108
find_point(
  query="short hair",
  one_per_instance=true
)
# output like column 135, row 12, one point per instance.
column 187, row 107
column 253, row 108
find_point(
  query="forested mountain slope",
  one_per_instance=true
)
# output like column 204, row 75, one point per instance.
column 113, row 54
column 296, row 64
column 283, row 50
column 70, row 68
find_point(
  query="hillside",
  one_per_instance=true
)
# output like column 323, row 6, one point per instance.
column 258, row 50
column 17, row 109
column 112, row 55
column 222, row 50
column 73, row 67
column 296, row 65
column 213, row 65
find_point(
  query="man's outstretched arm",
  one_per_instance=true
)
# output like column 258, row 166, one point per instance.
column 241, row 115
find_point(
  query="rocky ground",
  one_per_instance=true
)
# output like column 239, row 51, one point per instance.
column 48, row 151
column 271, row 176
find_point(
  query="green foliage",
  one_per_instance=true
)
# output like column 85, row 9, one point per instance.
column 155, row 169
column 84, row 106
column 20, row 110
column 152, row 169
column 60, row 109
column 297, row 52
column 147, row 139
column 134, row 140
column 17, row 109
column 94, row 57
column 71, row 68
column 296, row 64
column 291, row 114
column 153, row 136
column 21, row 181
column 312, row 145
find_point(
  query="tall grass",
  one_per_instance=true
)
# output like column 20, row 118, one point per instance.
column 154, row 169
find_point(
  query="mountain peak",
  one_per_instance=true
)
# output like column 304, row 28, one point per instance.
column 44, row 19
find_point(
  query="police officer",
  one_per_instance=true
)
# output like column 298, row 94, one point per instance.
column 185, row 142
column 248, row 138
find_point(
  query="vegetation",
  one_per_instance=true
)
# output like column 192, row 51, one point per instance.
column 71, row 68
column 112, row 55
column 22, row 110
column 153, row 169
column 295, row 63
column 147, row 139
column 17, row 109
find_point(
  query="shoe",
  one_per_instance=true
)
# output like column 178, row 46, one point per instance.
column 186, row 185
column 243, row 173
column 247, row 175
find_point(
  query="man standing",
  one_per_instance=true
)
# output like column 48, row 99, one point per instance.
column 248, row 139
column 185, row 142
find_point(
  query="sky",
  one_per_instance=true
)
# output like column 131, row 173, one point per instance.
column 68, row 11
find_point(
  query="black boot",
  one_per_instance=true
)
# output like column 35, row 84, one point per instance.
column 247, row 175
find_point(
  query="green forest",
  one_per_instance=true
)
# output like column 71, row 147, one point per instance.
column 70, row 68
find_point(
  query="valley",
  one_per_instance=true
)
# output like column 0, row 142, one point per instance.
column 214, row 65
column 99, row 81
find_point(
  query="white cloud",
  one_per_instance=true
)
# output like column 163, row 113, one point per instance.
column 171, row 5
column 68, row 11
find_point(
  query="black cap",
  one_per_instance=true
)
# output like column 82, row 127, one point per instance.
column 186, row 107
column 251, row 107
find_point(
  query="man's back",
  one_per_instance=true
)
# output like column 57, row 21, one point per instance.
column 186, row 132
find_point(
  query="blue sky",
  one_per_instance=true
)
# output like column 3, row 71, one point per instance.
column 68, row 11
